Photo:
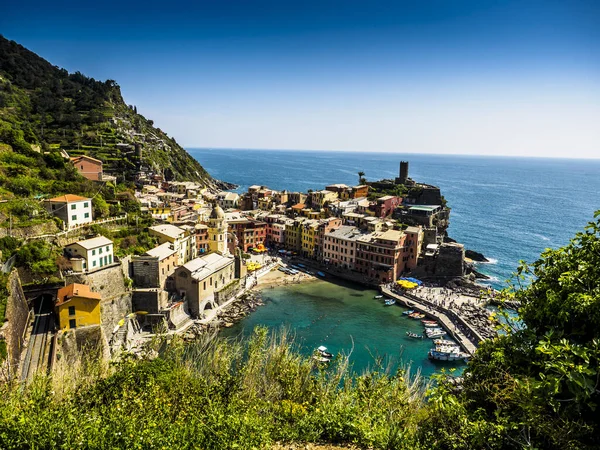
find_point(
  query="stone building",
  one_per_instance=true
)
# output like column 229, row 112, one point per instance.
column 152, row 269
column 198, row 280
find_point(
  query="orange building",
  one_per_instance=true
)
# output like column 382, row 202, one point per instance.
column 77, row 306
column 90, row 168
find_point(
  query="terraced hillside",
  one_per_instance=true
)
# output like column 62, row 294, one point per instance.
column 48, row 109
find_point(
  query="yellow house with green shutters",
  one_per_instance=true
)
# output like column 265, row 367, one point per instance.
column 77, row 306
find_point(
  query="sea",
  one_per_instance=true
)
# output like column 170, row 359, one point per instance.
column 509, row 209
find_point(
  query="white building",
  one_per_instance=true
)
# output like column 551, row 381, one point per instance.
column 73, row 210
column 184, row 241
column 91, row 254
column 228, row 200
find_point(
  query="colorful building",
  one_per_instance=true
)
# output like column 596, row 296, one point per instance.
column 88, row 167
column 339, row 247
column 77, row 306
column 379, row 255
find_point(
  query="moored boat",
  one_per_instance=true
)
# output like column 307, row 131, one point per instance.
column 321, row 274
column 324, row 353
column 378, row 296
column 428, row 321
column 414, row 335
column 446, row 356
column 390, row 302
column 445, row 342
column 431, row 325
column 409, row 312
column 435, row 333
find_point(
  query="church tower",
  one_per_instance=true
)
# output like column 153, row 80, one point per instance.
column 217, row 231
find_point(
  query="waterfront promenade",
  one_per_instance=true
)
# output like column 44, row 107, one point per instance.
column 445, row 318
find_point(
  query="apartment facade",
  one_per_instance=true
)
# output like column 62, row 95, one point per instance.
column 73, row 210
column 91, row 254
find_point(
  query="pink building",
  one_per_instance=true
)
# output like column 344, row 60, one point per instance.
column 339, row 247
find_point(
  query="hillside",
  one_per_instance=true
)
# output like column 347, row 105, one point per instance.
column 48, row 109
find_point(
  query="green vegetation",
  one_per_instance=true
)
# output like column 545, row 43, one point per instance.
column 46, row 108
column 538, row 385
column 213, row 395
column 40, row 258
column 3, row 299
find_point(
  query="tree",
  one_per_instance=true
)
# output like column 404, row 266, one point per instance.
column 538, row 385
column 361, row 178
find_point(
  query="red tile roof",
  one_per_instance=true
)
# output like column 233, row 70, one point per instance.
column 67, row 198
column 75, row 290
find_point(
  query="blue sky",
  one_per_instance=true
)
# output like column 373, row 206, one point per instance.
column 475, row 77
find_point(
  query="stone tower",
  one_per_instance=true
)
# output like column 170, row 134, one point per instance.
column 403, row 178
column 217, row 231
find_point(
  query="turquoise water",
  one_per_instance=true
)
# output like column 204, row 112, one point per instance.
column 344, row 317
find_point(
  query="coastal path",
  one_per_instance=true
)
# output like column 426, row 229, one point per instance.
column 442, row 317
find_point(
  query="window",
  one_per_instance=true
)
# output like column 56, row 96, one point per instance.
column 71, row 310
column 72, row 323
column 93, row 252
column 94, row 263
column 109, row 259
column 86, row 205
column 86, row 215
column 107, row 248
column 100, row 251
column 74, row 217
column 73, row 206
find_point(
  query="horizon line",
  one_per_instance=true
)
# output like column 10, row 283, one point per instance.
column 396, row 152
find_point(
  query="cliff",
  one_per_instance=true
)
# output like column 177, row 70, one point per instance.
column 47, row 108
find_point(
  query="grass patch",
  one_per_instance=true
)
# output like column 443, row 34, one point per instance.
column 212, row 394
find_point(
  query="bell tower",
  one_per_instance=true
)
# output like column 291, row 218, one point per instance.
column 217, row 231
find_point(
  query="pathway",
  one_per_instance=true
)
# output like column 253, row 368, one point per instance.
column 442, row 317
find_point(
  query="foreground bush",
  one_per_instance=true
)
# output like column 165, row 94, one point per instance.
column 213, row 395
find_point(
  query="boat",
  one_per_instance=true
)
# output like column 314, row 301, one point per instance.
column 416, row 316
column 407, row 313
column 424, row 321
column 321, row 274
column 435, row 333
column 431, row 325
column 378, row 296
column 446, row 353
column 390, row 302
column 445, row 342
column 321, row 359
column 324, row 353
column 414, row 335
column 292, row 271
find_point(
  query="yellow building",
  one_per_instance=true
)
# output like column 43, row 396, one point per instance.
column 293, row 235
column 309, row 238
column 77, row 306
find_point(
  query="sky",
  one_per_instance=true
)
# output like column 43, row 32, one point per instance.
column 515, row 78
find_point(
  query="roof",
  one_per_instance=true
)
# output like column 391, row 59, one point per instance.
column 168, row 230
column 413, row 230
column 75, row 158
column 424, row 208
column 217, row 213
column 66, row 293
column 345, row 232
column 205, row 266
column 96, row 242
column 299, row 206
column 161, row 252
column 68, row 198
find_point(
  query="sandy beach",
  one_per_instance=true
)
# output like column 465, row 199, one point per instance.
column 277, row 278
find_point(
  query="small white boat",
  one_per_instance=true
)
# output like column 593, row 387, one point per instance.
column 435, row 333
column 431, row 325
column 446, row 356
column 321, row 359
column 406, row 313
column 378, row 296
column 390, row 302
column 414, row 335
column 324, row 353
column 445, row 342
